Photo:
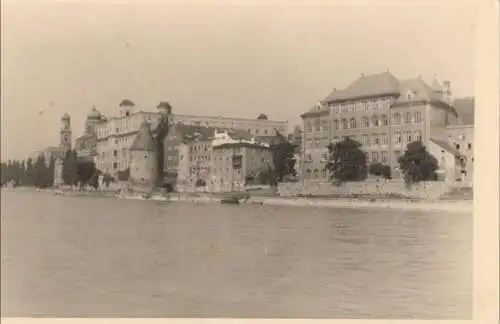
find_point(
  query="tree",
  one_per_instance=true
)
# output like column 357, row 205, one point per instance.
column 123, row 175
column 85, row 171
column 417, row 164
column 70, row 168
column 347, row 161
column 41, row 171
column 29, row 175
column 380, row 170
column 283, row 157
column 161, row 132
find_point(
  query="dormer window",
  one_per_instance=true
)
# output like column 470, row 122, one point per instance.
column 410, row 95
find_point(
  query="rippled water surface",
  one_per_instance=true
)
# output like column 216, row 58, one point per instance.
column 88, row 256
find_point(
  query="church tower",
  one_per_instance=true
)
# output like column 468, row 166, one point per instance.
column 65, row 134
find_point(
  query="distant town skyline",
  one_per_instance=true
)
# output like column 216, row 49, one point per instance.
column 238, row 61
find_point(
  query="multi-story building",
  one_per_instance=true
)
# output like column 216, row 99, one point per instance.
column 381, row 112
column 260, row 126
column 253, row 157
column 188, row 153
column 116, row 134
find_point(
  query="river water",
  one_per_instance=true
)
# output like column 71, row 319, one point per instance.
column 103, row 257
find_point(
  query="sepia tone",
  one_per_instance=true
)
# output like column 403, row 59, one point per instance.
column 217, row 171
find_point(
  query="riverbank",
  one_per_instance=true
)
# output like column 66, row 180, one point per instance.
column 455, row 206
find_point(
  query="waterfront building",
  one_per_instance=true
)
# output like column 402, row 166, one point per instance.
column 116, row 134
column 381, row 112
column 188, row 153
column 236, row 160
column 143, row 158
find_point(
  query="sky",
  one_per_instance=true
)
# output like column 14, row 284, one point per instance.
column 213, row 58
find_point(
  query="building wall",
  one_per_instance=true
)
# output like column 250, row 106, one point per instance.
column 448, row 162
column 254, row 126
column 114, row 138
column 143, row 169
column 461, row 137
column 384, row 131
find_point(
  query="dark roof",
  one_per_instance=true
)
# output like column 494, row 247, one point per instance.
column 446, row 146
column 144, row 139
column 127, row 102
column 465, row 109
column 205, row 133
column 367, row 86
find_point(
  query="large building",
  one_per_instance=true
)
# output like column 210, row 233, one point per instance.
column 86, row 145
column 116, row 134
column 188, row 158
column 381, row 112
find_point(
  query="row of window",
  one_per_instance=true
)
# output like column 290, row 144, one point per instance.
column 125, row 125
column 322, row 125
column 361, row 106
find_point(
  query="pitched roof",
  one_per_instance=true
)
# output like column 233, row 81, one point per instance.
column 420, row 89
column 367, row 86
column 446, row 146
column 144, row 139
column 465, row 109
column 436, row 86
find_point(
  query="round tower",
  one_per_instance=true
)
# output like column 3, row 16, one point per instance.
column 65, row 133
column 143, row 159
column 93, row 118
column 127, row 107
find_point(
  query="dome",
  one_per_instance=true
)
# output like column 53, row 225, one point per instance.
column 94, row 114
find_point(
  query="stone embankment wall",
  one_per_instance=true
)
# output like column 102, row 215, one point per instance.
column 389, row 188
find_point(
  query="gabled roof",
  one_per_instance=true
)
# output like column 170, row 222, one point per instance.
column 436, row 86
column 367, row 86
column 465, row 109
column 144, row 139
column 446, row 146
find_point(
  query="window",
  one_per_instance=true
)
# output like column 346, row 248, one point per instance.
column 418, row 117
column 364, row 139
column 385, row 120
column 417, row 136
column 375, row 139
column 336, row 124
column 408, row 118
column 366, row 106
column 365, row 122
column 396, row 118
column 469, row 146
column 308, row 173
column 115, row 165
column 384, row 139
column 115, row 152
column 324, row 125
column 397, row 137
column 344, row 124
column 315, row 173
column 408, row 137
column 323, row 173
column 457, row 146
column 353, row 123
column 316, row 143
column 375, row 121
column 117, row 130
column 374, row 156
column 317, row 125
column 410, row 95
column 384, row 156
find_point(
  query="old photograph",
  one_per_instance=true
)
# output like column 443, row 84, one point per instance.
column 228, row 160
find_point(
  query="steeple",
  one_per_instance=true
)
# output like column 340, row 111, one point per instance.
column 144, row 139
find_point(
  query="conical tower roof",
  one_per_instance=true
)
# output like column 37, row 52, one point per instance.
column 143, row 140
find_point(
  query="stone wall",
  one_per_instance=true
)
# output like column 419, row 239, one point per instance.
column 424, row 190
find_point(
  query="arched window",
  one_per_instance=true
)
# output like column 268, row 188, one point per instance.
column 353, row 123
column 345, row 125
column 375, row 121
column 365, row 123
column 396, row 118
column 336, row 124
column 385, row 120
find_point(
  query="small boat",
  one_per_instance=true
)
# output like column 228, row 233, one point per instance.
column 230, row 200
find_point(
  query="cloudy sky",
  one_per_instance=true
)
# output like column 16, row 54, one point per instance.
column 231, row 60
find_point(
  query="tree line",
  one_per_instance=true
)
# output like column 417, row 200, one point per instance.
column 348, row 162
column 40, row 173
